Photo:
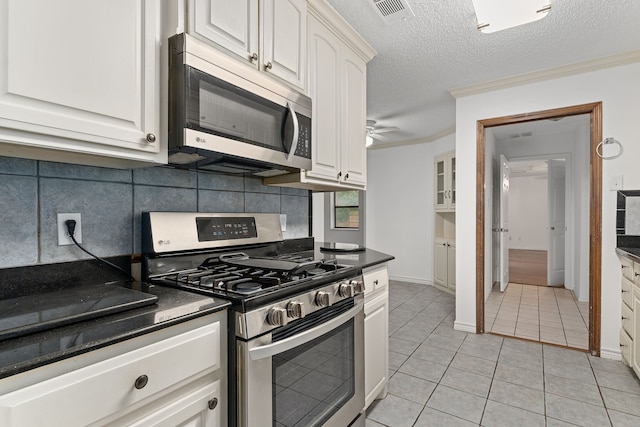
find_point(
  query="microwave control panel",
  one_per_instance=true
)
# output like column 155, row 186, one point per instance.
column 304, row 142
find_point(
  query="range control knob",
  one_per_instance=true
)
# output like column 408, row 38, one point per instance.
column 323, row 299
column 277, row 316
column 358, row 285
column 347, row 290
column 296, row 310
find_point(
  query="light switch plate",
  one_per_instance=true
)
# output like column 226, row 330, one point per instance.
column 615, row 183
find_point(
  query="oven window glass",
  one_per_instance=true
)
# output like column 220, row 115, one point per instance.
column 312, row 381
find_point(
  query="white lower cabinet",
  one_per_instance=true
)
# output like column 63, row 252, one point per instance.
column 630, row 314
column 179, row 379
column 376, row 333
column 445, row 264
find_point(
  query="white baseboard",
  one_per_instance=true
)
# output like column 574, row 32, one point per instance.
column 610, row 354
column 464, row 327
column 411, row 280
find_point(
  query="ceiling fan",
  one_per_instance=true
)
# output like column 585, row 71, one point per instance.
column 374, row 132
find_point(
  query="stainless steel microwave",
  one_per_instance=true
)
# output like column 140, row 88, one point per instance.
column 226, row 116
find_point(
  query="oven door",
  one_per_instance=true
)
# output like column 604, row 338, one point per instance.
column 310, row 373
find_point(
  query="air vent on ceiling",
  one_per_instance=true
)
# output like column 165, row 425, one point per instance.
column 393, row 10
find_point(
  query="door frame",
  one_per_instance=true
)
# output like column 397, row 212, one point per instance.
column 595, row 208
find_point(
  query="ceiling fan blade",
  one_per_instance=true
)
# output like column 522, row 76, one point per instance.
column 384, row 130
column 379, row 137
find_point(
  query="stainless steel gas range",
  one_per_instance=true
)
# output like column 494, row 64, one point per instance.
column 296, row 351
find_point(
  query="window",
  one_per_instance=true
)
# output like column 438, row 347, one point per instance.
column 346, row 205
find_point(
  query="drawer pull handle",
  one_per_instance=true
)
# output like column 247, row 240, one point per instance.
column 141, row 381
column 624, row 318
column 213, row 403
column 622, row 345
column 636, row 274
column 624, row 290
column 375, row 282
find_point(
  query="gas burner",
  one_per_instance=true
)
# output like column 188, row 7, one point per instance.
column 247, row 287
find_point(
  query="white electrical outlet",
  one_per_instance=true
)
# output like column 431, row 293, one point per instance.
column 63, row 235
column 283, row 222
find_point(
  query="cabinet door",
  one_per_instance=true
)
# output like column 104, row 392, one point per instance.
column 452, row 182
column 451, row 267
column 284, row 35
column 376, row 365
column 635, row 328
column 324, row 92
column 354, row 87
column 440, row 185
column 199, row 408
column 440, row 264
column 80, row 76
column 232, row 25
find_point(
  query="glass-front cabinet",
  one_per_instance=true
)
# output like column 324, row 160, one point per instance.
column 445, row 182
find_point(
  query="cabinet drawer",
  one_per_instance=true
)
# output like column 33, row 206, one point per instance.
column 192, row 409
column 627, row 319
column 375, row 278
column 625, row 347
column 626, row 289
column 89, row 394
column 627, row 268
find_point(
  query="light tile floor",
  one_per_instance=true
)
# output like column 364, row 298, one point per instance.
column 442, row 377
column 540, row 313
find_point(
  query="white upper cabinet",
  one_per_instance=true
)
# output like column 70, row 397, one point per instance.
column 268, row 34
column 445, row 182
column 80, row 81
column 337, row 87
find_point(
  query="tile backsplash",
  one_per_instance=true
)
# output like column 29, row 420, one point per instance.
column 32, row 193
column 628, row 212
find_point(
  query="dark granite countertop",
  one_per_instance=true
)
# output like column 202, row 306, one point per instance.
column 633, row 253
column 172, row 307
column 361, row 259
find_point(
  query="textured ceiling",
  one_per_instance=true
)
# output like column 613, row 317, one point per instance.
column 421, row 59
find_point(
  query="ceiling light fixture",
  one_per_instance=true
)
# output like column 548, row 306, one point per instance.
column 496, row 15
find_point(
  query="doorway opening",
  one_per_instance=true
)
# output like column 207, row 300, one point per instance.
column 546, row 299
column 592, row 201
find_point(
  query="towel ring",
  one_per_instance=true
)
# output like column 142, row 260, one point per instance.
column 606, row 141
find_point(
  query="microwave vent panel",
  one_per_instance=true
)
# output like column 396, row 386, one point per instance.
column 392, row 11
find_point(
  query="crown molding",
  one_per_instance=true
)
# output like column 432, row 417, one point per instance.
column 551, row 73
column 327, row 15
column 426, row 140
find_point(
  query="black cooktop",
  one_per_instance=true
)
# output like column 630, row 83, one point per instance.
column 33, row 313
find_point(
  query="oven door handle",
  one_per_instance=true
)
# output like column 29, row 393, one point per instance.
column 304, row 337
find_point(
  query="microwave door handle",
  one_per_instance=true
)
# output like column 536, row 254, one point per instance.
column 278, row 347
column 294, row 140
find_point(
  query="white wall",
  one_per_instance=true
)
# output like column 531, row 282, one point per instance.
column 400, row 214
column 528, row 213
column 618, row 89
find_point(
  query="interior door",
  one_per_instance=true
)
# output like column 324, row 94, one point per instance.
column 556, row 194
column 495, row 222
column 504, row 223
